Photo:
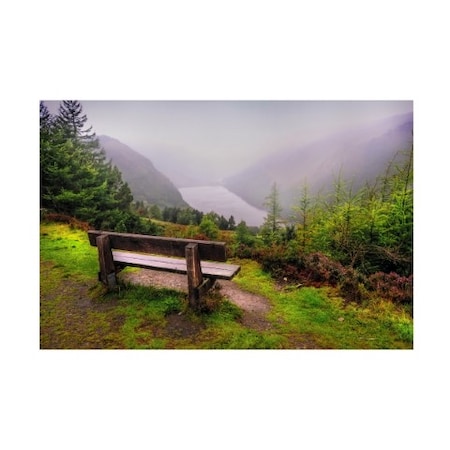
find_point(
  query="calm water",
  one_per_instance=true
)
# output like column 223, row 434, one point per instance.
column 222, row 201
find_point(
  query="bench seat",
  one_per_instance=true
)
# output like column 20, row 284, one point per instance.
column 211, row 269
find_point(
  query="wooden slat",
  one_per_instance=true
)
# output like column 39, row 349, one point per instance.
column 209, row 250
column 209, row 268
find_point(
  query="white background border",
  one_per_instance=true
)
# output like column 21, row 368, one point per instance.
column 322, row 50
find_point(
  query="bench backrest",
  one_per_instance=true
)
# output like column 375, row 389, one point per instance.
column 208, row 250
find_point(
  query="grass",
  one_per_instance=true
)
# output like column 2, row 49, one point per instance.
column 69, row 249
column 76, row 312
column 322, row 316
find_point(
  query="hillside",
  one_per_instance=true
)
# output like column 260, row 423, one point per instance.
column 145, row 181
column 357, row 154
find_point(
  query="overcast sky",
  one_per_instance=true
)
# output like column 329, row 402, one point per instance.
column 226, row 133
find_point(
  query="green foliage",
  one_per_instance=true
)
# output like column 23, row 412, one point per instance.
column 155, row 212
column 76, row 179
column 208, row 227
column 342, row 239
column 72, row 121
column 302, row 215
column 317, row 318
column 182, row 216
column 243, row 235
column 75, row 312
column 231, row 223
column 270, row 229
column 244, row 241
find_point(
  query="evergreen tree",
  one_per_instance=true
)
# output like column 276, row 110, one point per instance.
column 231, row 223
column 76, row 179
column 223, row 223
column 302, row 213
column 155, row 212
column 72, row 121
column 272, row 203
column 185, row 217
column 46, row 122
column 271, row 226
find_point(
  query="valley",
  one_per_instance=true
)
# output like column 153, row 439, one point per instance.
column 178, row 177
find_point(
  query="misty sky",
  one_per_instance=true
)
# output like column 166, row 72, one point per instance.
column 223, row 135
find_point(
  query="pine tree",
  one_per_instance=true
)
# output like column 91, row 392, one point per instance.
column 72, row 121
column 274, row 209
column 223, row 223
column 76, row 179
column 231, row 223
column 302, row 212
column 46, row 121
column 271, row 226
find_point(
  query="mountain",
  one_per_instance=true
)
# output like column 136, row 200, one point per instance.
column 145, row 181
column 180, row 165
column 357, row 155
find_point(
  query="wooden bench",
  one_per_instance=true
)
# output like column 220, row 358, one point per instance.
column 202, row 261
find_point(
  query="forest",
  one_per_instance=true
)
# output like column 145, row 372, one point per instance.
column 75, row 177
column 357, row 240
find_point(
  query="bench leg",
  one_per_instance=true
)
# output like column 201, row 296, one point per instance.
column 107, row 273
column 194, row 275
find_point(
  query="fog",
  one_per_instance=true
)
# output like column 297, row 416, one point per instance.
column 194, row 142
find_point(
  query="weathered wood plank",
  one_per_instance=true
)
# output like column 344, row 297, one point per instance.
column 106, row 261
column 194, row 275
column 208, row 250
column 209, row 268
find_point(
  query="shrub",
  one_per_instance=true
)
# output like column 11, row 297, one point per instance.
column 273, row 260
column 312, row 269
column 242, row 251
column 320, row 268
column 287, row 263
column 392, row 286
column 209, row 228
column 352, row 286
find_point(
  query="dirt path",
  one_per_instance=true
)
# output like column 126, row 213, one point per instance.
column 254, row 307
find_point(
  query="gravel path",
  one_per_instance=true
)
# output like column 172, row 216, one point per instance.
column 254, row 307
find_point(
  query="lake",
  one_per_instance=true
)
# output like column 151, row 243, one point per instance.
column 222, row 201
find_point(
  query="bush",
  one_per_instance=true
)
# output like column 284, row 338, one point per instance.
column 352, row 286
column 288, row 263
column 392, row 286
column 242, row 251
column 320, row 268
column 208, row 228
column 312, row 269
column 274, row 260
